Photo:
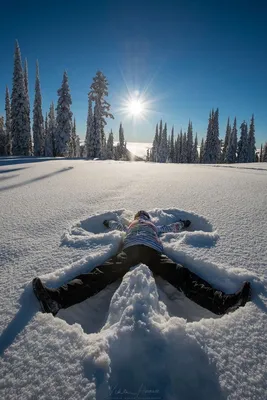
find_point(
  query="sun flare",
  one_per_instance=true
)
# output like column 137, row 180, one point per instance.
column 135, row 107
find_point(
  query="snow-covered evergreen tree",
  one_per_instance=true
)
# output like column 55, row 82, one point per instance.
column 90, row 135
column 163, row 148
column 181, row 146
column 264, row 153
column 226, row 140
column 64, row 118
column 242, row 147
column 77, row 147
column 155, row 146
column 201, row 151
column 72, row 141
column 189, row 144
column 212, row 148
column 122, row 144
column 110, row 146
column 160, row 138
column 2, row 137
column 51, row 131
column 49, row 134
column 183, row 156
column 8, row 124
column 98, row 92
column 38, row 119
column 20, row 133
column 232, row 145
column 251, row 141
column 26, row 83
column 195, row 150
column 177, row 149
column 261, row 152
column 103, row 153
column 172, row 148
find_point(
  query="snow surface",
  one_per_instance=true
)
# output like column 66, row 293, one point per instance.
column 141, row 338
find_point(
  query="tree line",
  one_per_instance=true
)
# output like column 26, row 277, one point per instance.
column 184, row 148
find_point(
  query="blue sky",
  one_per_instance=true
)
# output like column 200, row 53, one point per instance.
column 187, row 56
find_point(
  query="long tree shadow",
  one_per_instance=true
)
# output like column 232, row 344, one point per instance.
column 4, row 161
column 39, row 178
column 5, row 171
column 5, row 178
column 21, row 319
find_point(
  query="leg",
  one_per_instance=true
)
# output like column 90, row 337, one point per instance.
column 82, row 286
column 197, row 289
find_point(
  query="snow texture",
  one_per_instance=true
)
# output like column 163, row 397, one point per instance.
column 140, row 338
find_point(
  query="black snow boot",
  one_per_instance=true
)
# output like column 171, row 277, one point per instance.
column 240, row 298
column 45, row 297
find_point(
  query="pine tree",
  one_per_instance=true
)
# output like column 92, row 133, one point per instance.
column 20, row 133
column 160, row 138
column 251, row 141
column 110, row 146
column 163, row 149
column 77, row 147
column 181, row 146
column 195, row 151
column 8, row 124
column 189, row 149
column 261, row 153
column 242, row 148
column 232, row 145
column 26, row 83
column 38, row 120
column 226, row 140
column 49, row 134
column 90, row 135
column 103, row 151
column 201, row 151
column 212, row 148
column 177, row 149
column 264, row 153
column 98, row 92
column 64, row 118
column 155, row 146
column 51, row 131
column 2, row 137
column 172, row 149
column 121, row 148
column 184, row 149
column 72, row 141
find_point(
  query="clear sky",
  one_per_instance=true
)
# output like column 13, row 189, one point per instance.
column 187, row 56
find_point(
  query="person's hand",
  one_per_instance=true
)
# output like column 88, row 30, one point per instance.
column 106, row 223
column 186, row 223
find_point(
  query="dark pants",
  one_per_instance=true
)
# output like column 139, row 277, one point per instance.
column 195, row 288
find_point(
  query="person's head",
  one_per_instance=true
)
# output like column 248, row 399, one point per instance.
column 142, row 214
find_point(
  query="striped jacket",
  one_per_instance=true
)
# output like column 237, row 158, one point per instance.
column 144, row 232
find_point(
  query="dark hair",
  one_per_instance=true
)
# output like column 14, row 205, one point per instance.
column 142, row 213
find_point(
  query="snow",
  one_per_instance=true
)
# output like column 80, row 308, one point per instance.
column 141, row 338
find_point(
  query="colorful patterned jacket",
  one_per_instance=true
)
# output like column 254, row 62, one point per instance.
column 144, row 232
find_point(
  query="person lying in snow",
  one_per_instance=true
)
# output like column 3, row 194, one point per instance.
column 141, row 244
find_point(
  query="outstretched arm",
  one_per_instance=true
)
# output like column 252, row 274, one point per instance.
column 115, row 225
column 175, row 227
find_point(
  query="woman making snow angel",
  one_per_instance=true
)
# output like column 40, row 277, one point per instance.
column 141, row 244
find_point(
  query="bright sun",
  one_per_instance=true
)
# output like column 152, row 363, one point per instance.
column 135, row 107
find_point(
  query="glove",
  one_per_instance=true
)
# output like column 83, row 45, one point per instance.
column 186, row 223
column 106, row 223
